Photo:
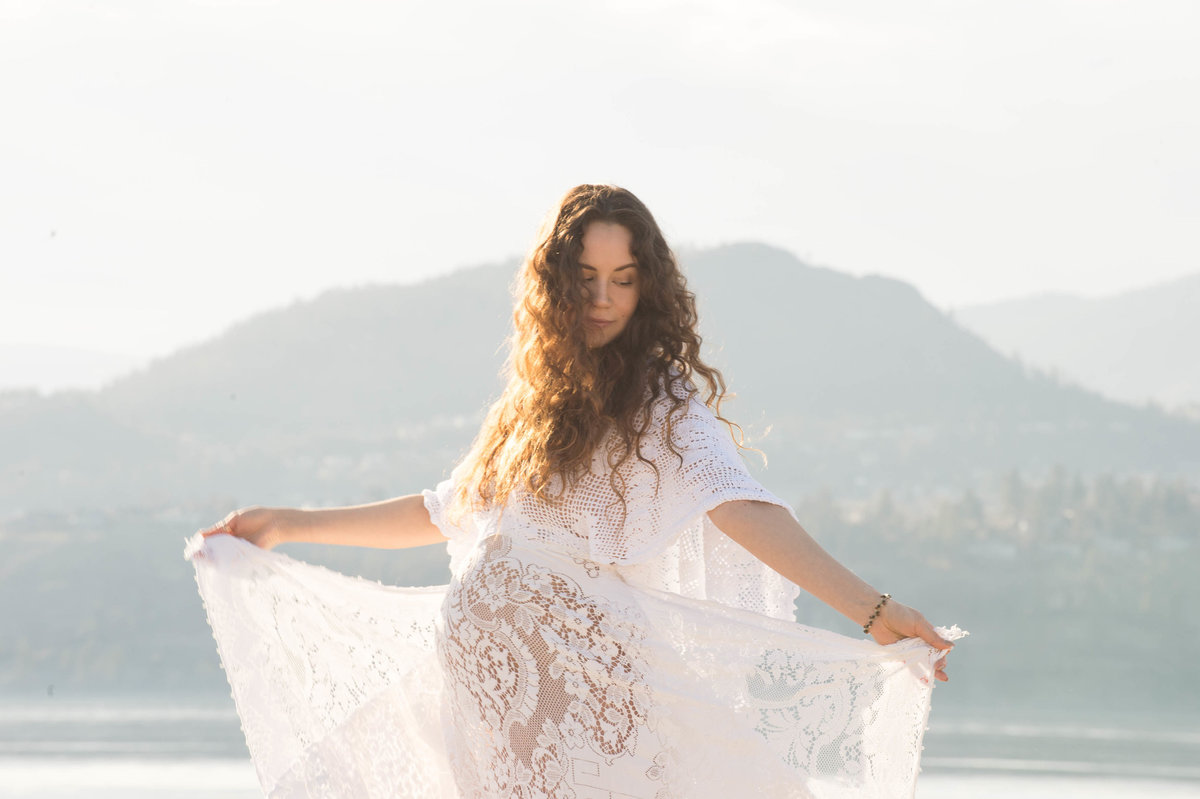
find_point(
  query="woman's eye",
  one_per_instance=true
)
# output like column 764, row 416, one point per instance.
column 627, row 283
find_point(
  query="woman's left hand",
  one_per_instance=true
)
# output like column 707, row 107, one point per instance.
column 898, row 621
column 263, row 527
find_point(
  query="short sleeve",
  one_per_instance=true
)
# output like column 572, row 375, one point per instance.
column 712, row 471
column 437, row 500
column 689, row 470
column 460, row 537
column 685, row 552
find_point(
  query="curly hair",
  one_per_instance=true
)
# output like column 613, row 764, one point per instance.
column 563, row 398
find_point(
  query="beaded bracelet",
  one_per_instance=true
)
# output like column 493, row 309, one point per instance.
column 883, row 598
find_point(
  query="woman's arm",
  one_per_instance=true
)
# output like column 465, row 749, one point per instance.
column 392, row 524
column 771, row 534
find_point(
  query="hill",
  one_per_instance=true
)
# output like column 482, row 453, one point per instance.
column 377, row 390
column 1131, row 346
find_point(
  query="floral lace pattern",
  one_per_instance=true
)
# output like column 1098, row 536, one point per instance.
column 544, row 676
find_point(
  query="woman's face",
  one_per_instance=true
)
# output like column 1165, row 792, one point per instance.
column 610, row 280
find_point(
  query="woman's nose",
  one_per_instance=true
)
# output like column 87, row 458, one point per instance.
column 599, row 295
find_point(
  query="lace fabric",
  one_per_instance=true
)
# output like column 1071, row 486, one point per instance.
column 574, row 654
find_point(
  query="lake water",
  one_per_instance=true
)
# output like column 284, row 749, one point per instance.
column 134, row 749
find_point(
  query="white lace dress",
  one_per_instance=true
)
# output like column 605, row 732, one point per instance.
column 579, row 651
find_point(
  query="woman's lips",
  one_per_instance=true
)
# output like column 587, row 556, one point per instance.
column 599, row 322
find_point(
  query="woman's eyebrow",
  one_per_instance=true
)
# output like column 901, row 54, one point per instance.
column 618, row 269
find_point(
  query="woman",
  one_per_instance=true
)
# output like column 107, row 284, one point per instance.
column 619, row 622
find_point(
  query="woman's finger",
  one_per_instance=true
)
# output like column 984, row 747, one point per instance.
column 223, row 527
column 929, row 635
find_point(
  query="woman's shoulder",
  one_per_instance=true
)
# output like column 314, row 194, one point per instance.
column 676, row 390
column 679, row 407
column 670, row 386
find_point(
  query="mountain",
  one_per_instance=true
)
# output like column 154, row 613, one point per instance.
column 1133, row 346
column 352, row 360
column 372, row 391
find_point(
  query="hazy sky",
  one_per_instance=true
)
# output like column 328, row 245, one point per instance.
column 167, row 168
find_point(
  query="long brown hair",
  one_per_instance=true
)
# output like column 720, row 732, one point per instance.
column 562, row 398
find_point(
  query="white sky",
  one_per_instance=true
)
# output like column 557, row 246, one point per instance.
column 167, row 168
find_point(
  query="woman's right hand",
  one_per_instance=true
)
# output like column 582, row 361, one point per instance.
column 262, row 527
column 897, row 621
